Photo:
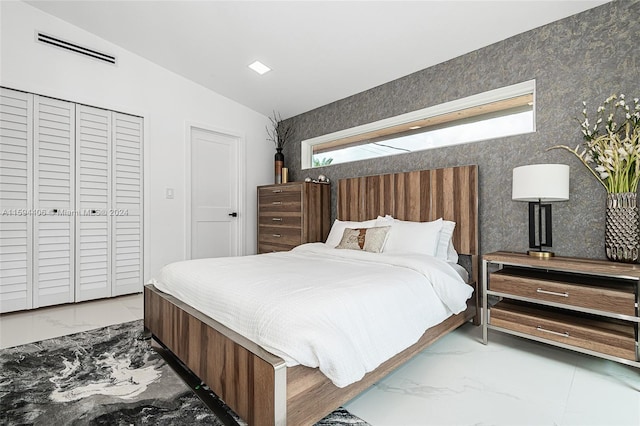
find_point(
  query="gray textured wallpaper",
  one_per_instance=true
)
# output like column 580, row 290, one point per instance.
column 585, row 57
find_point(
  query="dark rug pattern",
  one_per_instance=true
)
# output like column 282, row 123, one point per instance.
column 109, row 376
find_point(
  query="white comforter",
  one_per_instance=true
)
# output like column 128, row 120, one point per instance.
column 343, row 311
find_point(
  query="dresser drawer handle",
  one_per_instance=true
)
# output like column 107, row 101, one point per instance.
column 276, row 219
column 277, row 235
column 565, row 334
column 552, row 293
column 276, row 203
column 277, row 191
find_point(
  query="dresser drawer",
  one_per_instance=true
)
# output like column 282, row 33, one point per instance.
column 280, row 199
column 613, row 299
column 615, row 338
column 274, row 219
column 272, row 248
column 279, row 235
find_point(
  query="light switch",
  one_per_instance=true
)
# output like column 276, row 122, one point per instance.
column 169, row 193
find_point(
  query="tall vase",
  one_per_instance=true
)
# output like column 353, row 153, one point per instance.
column 279, row 164
column 622, row 230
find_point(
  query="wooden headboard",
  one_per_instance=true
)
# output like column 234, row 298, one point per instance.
column 425, row 195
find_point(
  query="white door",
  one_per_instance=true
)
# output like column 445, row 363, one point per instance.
column 16, row 222
column 93, row 192
column 54, row 195
column 214, row 194
column 126, row 214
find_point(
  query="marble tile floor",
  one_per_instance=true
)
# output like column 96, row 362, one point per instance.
column 18, row 328
column 457, row 381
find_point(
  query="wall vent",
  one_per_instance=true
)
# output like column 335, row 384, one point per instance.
column 54, row 41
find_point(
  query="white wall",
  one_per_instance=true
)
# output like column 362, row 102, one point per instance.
column 135, row 85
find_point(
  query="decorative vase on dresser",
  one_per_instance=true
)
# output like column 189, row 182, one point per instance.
column 279, row 164
column 622, row 230
column 291, row 214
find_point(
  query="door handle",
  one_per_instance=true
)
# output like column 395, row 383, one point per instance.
column 234, row 214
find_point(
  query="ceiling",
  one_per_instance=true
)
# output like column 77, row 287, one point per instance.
column 319, row 51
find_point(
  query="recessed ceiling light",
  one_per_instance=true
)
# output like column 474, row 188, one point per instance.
column 259, row 67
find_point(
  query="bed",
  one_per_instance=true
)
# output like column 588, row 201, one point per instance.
column 259, row 385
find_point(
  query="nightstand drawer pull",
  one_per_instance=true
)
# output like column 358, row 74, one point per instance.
column 276, row 235
column 565, row 334
column 277, row 191
column 276, row 203
column 276, row 219
column 552, row 293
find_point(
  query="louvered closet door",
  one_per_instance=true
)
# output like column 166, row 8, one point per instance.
column 127, row 204
column 54, row 170
column 93, row 201
column 16, row 186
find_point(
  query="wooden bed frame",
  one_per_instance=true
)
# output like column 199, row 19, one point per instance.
column 255, row 383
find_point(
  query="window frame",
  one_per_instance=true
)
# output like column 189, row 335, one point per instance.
column 401, row 123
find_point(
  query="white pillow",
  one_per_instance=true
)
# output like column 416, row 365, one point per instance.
column 413, row 237
column 338, row 227
column 444, row 241
column 452, row 254
column 385, row 221
column 446, row 250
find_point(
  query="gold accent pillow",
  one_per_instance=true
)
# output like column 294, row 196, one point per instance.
column 367, row 239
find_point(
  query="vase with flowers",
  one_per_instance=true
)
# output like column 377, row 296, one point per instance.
column 279, row 133
column 611, row 153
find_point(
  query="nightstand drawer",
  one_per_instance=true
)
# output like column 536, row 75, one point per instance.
column 615, row 338
column 279, row 235
column 608, row 298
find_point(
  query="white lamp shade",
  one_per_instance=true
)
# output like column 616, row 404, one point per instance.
column 545, row 182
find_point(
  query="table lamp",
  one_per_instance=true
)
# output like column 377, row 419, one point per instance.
column 538, row 183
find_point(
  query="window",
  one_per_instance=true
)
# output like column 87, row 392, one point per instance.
column 502, row 112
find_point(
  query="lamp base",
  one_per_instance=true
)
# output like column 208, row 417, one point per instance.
column 540, row 254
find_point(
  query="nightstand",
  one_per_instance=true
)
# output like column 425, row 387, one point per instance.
column 586, row 305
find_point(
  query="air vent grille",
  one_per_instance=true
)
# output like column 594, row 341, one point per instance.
column 54, row 41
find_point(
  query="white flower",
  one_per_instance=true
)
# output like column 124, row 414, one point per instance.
column 611, row 152
column 628, row 147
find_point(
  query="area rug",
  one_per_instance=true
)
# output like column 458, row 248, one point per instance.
column 109, row 376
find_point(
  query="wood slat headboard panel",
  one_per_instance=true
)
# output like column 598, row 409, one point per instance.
column 450, row 193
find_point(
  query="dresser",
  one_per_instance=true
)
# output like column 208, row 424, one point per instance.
column 586, row 305
column 291, row 214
